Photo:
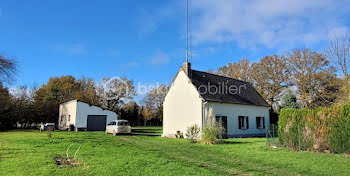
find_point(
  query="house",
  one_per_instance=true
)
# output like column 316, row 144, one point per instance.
column 237, row 106
column 76, row 115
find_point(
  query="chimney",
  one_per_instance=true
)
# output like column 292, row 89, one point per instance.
column 187, row 68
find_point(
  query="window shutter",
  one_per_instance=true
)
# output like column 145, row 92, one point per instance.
column 257, row 122
column 239, row 123
column 263, row 122
column 247, row 122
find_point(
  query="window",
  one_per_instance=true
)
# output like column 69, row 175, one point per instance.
column 111, row 123
column 123, row 123
column 260, row 122
column 243, row 122
column 69, row 118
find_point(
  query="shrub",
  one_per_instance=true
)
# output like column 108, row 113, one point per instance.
column 192, row 133
column 210, row 133
column 320, row 129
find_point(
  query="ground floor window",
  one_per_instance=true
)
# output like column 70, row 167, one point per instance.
column 260, row 122
column 243, row 122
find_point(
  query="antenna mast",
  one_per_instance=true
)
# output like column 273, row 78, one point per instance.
column 187, row 32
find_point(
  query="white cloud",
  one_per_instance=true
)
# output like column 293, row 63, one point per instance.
column 72, row 49
column 159, row 57
column 270, row 23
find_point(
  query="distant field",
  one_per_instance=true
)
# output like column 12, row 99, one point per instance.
column 145, row 153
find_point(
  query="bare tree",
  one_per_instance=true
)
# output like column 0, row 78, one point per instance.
column 339, row 51
column 7, row 68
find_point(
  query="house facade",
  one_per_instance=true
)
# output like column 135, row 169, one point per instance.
column 76, row 115
column 236, row 105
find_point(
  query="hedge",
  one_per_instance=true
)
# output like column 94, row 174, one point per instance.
column 320, row 129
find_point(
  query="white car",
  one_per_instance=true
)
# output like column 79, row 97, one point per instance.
column 118, row 126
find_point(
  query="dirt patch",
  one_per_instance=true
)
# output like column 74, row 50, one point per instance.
column 61, row 161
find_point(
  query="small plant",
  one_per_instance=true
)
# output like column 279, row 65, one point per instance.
column 192, row 133
column 210, row 134
column 49, row 133
column 211, row 130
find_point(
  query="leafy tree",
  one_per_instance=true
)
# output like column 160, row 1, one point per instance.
column 59, row 90
column 239, row 70
column 131, row 112
column 6, row 121
column 153, row 102
column 309, row 69
column 87, row 92
column 289, row 100
column 114, row 92
column 270, row 77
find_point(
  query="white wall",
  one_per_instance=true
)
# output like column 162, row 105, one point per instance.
column 78, row 112
column 232, row 111
column 83, row 110
column 182, row 106
column 66, row 109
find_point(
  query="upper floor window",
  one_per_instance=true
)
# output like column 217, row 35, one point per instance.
column 260, row 122
column 243, row 122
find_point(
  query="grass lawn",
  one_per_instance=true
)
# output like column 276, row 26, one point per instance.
column 145, row 153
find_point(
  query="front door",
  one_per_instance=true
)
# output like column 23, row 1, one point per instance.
column 222, row 120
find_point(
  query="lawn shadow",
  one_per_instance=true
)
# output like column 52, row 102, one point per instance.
column 232, row 142
column 143, row 132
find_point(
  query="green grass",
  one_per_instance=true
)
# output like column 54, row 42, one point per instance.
column 145, row 153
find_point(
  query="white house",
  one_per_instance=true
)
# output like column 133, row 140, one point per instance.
column 76, row 115
column 237, row 106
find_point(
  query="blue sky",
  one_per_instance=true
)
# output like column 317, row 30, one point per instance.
column 145, row 40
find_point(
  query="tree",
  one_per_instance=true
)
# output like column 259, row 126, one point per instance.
column 23, row 105
column 7, row 69
column 6, row 120
column 115, row 91
column 153, row 102
column 289, row 100
column 239, row 70
column 309, row 69
column 270, row 76
column 339, row 51
column 57, row 90
column 130, row 111
column 87, row 92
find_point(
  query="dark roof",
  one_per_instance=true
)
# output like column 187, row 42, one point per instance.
column 241, row 92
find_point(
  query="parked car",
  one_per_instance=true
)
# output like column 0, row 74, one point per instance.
column 118, row 127
column 47, row 126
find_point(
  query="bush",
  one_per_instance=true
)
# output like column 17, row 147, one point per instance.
column 325, row 128
column 210, row 133
column 192, row 133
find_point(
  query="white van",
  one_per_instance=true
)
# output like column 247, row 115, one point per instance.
column 118, row 127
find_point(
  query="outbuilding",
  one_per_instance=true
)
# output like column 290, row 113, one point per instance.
column 80, row 116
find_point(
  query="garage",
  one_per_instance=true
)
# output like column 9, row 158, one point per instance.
column 79, row 116
column 96, row 122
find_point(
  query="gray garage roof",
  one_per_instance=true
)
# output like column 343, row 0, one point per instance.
column 222, row 89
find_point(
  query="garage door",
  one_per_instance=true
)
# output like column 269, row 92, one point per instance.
column 96, row 122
